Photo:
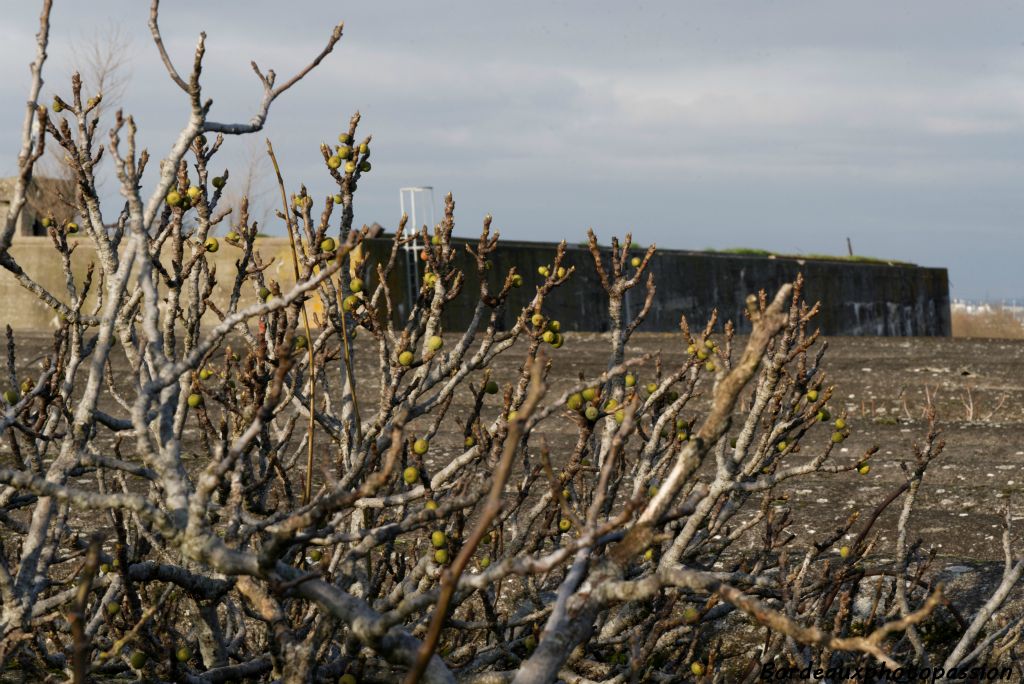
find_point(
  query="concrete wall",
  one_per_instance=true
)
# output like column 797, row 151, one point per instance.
column 22, row 310
column 857, row 298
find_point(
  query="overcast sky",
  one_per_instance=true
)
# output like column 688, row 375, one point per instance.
column 780, row 125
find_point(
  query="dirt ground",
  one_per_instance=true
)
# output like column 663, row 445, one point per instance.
column 882, row 383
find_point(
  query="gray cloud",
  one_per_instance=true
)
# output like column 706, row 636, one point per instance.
column 779, row 125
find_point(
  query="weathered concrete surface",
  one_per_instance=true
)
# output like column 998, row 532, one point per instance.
column 22, row 310
column 857, row 298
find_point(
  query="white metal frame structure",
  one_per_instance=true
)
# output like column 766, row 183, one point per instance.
column 421, row 212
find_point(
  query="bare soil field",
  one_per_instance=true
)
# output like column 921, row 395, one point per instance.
column 883, row 385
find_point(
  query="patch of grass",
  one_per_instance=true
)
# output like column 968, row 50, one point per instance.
column 856, row 258
column 748, row 251
column 995, row 324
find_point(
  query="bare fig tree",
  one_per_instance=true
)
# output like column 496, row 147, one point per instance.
column 274, row 494
column 104, row 58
